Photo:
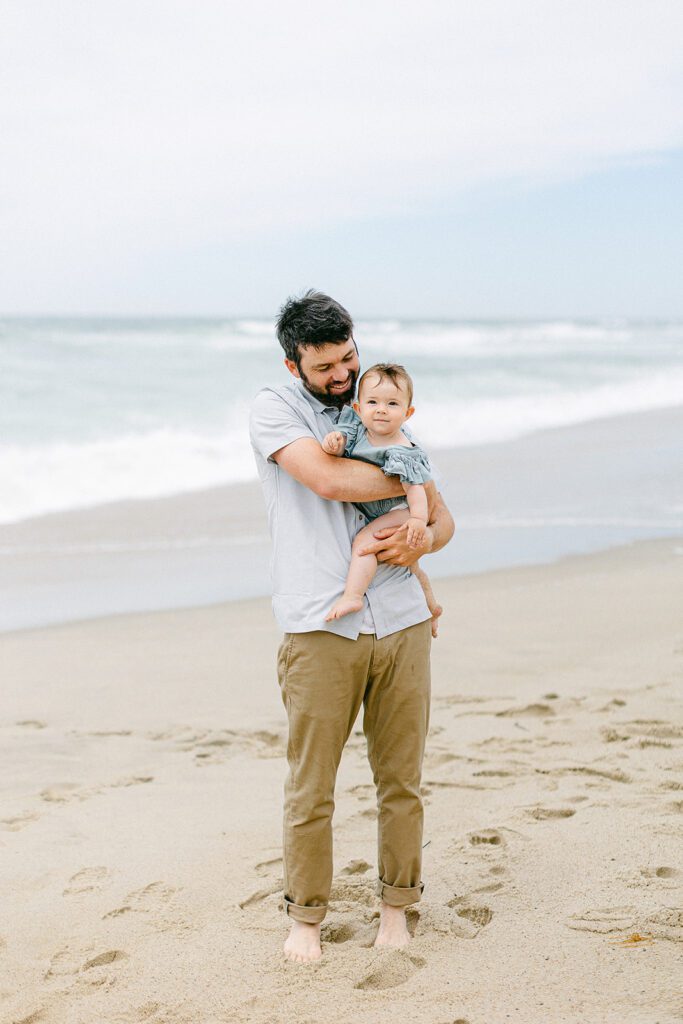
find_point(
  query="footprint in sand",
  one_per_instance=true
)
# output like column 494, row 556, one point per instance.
column 18, row 821
column 365, row 791
column 665, row 923
column 338, row 932
column 527, row 711
column 396, row 969
column 475, row 913
column 550, row 813
column 260, row 895
column 102, row 959
column 603, row 920
column 86, row 880
column 62, row 792
column 491, row 887
column 613, row 775
column 144, row 901
column 478, row 915
column 69, row 962
column 353, row 891
column 268, row 867
column 486, row 837
column 663, row 872
column 65, row 792
column 654, row 879
column 214, row 746
column 33, row 1018
column 356, row 867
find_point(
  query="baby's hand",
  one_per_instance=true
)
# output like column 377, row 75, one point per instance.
column 333, row 443
column 417, row 531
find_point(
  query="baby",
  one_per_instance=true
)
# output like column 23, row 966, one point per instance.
column 371, row 431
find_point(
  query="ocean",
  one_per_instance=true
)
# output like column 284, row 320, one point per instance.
column 100, row 410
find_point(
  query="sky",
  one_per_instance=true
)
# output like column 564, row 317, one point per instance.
column 450, row 159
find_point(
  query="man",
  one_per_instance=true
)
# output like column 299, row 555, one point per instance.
column 377, row 657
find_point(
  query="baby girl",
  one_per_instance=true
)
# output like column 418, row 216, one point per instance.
column 371, row 431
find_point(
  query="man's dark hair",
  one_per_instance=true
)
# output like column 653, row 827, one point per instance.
column 311, row 319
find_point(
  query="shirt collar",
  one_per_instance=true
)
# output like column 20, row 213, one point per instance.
column 332, row 410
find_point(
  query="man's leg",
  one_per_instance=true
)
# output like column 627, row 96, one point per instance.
column 322, row 677
column 396, row 723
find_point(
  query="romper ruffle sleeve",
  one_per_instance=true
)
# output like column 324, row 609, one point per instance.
column 410, row 464
column 349, row 424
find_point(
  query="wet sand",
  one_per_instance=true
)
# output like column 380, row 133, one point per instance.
column 142, row 771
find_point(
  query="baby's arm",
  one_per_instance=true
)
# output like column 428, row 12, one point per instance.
column 419, row 513
column 334, row 443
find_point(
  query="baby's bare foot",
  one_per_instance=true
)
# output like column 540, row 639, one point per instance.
column 344, row 606
column 393, row 930
column 303, row 943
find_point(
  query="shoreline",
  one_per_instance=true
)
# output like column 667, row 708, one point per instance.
column 142, row 763
column 569, row 490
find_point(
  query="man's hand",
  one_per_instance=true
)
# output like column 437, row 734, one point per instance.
column 391, row 545
column 334, row 443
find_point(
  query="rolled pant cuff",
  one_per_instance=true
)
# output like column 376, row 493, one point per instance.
column 308, row 915
column 396, row 896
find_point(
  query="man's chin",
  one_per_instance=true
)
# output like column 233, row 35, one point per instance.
column 340, row 398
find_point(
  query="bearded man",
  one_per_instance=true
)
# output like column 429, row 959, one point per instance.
column 377, row 658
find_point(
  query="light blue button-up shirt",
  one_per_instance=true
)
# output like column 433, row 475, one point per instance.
column 312, row 536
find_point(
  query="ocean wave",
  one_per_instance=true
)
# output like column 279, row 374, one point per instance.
column 39, row 479
column 490, row 420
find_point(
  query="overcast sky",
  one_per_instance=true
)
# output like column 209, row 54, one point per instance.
column 448, row 158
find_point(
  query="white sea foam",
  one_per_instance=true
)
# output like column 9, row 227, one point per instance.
column 95, row 411
column 490, row 420
column 55, row 477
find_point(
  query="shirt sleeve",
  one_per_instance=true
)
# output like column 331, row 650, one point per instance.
column 273, row 424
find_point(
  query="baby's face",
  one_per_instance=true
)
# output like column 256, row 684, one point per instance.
column 383, row 406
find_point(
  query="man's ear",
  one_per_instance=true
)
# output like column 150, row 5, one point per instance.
column 410, row 411
column 293, row 368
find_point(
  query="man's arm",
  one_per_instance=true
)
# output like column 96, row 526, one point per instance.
column 333, row 478
column 392, row 544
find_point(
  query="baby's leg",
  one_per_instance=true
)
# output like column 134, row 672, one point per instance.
column 433, row 605
column 363, row 567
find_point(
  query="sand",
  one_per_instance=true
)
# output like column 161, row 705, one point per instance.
column 142, row 769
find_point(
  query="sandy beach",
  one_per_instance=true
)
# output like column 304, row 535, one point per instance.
column 142, row 770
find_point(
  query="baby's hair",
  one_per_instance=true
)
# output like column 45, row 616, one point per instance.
column 394, row 372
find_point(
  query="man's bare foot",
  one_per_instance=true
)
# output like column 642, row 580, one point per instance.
column 346, row 604
column 436, row 611
column 303, row 943
column 393, row 930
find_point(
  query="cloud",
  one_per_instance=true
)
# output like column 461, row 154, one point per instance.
column 139, row 126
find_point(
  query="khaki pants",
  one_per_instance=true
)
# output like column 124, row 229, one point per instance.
column 324, row 679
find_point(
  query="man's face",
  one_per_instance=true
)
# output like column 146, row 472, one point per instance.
column 329, row 372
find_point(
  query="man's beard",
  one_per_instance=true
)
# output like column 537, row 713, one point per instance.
column 336, row 398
